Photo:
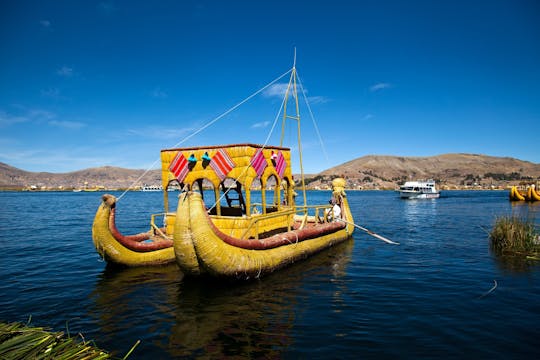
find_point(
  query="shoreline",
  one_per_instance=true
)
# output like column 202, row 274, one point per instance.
column 136, row 190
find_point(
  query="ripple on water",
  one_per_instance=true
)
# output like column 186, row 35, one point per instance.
column 428, row 297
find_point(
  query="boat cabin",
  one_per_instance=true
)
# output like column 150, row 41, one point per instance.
column 229, row 174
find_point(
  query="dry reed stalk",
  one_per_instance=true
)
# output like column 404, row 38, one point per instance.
column 513, row 234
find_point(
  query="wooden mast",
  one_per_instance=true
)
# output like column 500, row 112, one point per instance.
column 292, row 86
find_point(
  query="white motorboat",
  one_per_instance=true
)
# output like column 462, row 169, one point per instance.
column 419, row 190
column 151, row 188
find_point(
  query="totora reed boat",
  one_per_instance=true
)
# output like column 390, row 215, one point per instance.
column 528, row 193
column 237, row 215
column 237, row 237
column 150, row 248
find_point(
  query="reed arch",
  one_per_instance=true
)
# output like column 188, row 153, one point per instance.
column 205, row 187
column 230, row 198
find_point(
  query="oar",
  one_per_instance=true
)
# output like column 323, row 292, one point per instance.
column 370, row 232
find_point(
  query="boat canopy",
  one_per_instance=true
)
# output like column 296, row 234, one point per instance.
column 232, row 171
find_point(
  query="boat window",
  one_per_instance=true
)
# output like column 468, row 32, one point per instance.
column 287, row 194
column 273, row 194
column 173, row 188
column 255, row 197
column 206, row 189
column 231, row 199
column 174, row 185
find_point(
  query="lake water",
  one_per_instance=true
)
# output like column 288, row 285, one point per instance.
column 429, row 297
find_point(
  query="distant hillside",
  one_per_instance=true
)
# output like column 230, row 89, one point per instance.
column 368, row 172
column 106, row 176
column 450, row 170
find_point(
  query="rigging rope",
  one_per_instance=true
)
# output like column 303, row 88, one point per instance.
column 204, row 127
column 312, row 118
column 262, row 148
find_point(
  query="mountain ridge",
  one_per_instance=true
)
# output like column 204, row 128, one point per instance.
column 451, row 170
column 366, row 172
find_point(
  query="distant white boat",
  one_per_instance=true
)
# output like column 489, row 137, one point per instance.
column 151, row 188
column 419, row 190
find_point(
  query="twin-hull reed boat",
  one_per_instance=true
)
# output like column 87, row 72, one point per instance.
column 528, row 194
column 236, row 216
column 154, row 247
column 240, row 238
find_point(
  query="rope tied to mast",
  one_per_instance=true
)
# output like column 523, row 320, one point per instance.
column 206, row 126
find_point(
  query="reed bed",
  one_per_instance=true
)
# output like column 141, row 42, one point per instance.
column 512, row 234
column 19, row 341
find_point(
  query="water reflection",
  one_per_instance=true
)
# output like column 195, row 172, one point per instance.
column 527, row 210
column 515, row 263
column 192, row 317
column 419, row 213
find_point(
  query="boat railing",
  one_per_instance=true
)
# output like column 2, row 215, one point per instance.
column 320, row 211
column 166, row 222
column 255, row 220
column 302, row 211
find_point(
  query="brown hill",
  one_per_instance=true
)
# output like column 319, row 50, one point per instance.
column 106, row 176
column 368, row 172
column 449, row 170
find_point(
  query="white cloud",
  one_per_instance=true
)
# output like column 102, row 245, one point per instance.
column 55, row 160
column 279, row 90
column 276, row 90
column 39, row 115
column 45, row 23
column 72, row 125
column 106, row 7
column 158, row 93
column 33, row 115
column 8, row 119
column 52, row 93
column 159, row 132
column 368, row 117
column 65, row 71
column 317, row 100
column 380, row 86
column 261, row 124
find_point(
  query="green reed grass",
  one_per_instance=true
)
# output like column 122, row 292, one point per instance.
column 19, row 341
column 513, row 234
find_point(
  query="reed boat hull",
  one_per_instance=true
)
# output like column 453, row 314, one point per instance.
column 134, row 250
column 532, row 194
column 201, row 249
column 515, row 194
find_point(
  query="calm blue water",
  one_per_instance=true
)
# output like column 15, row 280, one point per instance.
column 363, row 299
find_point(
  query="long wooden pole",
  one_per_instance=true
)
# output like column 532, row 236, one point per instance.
column 370, row 232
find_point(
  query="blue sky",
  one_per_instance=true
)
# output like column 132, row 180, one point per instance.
column 94, row 83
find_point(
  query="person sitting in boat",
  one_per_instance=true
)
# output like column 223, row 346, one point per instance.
column 273, row 158
column 334, row 213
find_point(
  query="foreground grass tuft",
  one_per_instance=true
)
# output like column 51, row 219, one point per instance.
column 511, row 234
column 19, row 341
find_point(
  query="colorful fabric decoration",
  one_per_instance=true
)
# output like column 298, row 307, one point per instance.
column 179, row 166
column 259, row 162
column 192, row 158
column 206, row 157
column 281, row 164
column 222, row 163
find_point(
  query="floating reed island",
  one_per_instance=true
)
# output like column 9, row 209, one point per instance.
column 20, row 341
column 514, row 235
